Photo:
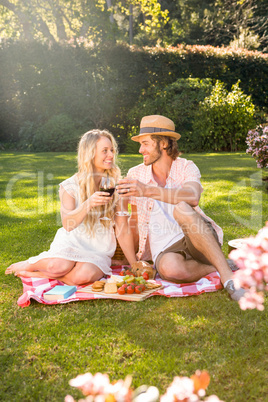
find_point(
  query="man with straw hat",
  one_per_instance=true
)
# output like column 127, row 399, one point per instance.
column 164, row 192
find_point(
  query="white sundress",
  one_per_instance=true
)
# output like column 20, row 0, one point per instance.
column 78, row 245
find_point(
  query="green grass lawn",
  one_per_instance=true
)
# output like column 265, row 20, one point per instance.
column 43, row 347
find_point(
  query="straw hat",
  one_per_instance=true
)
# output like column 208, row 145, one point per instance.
column 158, row 125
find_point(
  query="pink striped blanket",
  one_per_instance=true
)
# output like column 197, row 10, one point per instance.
column 34, row 288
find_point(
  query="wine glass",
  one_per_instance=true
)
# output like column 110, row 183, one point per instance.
column 122, row 211
column 107, row 185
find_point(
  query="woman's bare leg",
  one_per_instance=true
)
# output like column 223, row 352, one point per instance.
column 48, row 267
column 82, row 274
column 18, row 266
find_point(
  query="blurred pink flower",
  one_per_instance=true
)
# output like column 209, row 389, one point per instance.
column 181, row 389
column 252, row 300
column 252, row 259
column 91, row 385
column 213, row 398
column 257, row 141
column 69, row 398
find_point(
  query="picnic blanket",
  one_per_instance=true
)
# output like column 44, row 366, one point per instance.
column 34, row 288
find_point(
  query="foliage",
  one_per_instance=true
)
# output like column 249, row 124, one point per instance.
column 57, row 134
column 257, row 141
column 252, row 259
column 55, row 21
column 145, row 20
column 98, row 388
column 223, row 119
column 224, row 64
column 100, row 86
column 94, row 87
column 179, row 101
column 240, row 23
column 26, row 134
column 75, row 20
column 150, row 22
column 43, row 347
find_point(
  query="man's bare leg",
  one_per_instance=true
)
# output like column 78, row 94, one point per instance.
column 173, row 267
column 202, row 238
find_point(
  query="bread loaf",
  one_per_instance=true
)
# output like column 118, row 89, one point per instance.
column 139, row 267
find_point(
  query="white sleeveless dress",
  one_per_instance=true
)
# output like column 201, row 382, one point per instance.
column 78, row 245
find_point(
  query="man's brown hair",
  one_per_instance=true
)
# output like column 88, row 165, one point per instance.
column 171, row 145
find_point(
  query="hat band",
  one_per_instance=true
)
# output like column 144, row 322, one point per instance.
column 154, row 130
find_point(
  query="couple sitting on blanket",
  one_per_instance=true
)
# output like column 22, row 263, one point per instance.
column 164, row 193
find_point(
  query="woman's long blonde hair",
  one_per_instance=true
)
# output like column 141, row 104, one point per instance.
column 86, row 174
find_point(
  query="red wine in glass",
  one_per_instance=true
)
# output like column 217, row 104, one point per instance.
column 108, row 190
column 107, row 185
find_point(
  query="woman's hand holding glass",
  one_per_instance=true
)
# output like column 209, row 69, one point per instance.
column 107, row 185
column 99, row 198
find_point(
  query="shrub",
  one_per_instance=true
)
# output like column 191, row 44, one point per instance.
column 224, row 118
column 179, row 102
column 257, row 141
column 218, row 63
column 58, row 134
column 26, row 134
column 99, row 85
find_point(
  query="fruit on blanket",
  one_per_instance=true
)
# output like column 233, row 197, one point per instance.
column 130, row 289
column 139, row 289
column 125, row 272
column 121, row 290
column 130, row 279
column 145, row 275
column 140, row 280
column 119, row 284
column 130, row 284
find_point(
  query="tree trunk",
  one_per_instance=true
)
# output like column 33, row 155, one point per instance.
column 29, row 23
column 61, row 33
column 109, row 5
column 130, row 24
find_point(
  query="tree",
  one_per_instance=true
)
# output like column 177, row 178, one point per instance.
column 55, row 20
column 76, row 20
column 238, row 20
column 143, row 21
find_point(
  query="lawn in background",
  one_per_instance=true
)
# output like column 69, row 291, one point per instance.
column 43, row 347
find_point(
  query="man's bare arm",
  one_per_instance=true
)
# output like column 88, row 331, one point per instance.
column 190, row 192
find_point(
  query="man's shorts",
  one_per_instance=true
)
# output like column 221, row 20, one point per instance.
column 185, row 247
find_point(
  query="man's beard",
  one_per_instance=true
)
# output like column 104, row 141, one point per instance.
column 154, row 157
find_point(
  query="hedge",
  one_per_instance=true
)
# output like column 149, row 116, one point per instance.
column 100, row 86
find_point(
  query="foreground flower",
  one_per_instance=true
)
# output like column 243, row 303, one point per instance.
column 189, row 389
column 98, row 388
column 252, row 259
column 181, row 389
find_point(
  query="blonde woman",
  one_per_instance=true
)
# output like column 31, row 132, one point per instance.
column 82, row 249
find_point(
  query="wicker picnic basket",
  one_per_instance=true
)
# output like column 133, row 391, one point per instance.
column 118, row 255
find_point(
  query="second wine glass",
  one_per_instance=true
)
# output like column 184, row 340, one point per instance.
column 122, row 211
